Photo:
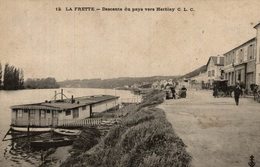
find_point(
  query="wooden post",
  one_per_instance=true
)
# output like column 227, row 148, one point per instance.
column 52, row 121
column 29, row 121
column 90, row 110
column 40, row 116
column 61, row 94
column 55, row 92
column 16, row 117
column 6, row 134
column 28, row 130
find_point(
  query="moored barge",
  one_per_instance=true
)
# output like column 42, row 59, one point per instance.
column 44, row 116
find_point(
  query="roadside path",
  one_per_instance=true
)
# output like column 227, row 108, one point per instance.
column 216, row 131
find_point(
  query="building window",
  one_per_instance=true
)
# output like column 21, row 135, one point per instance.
column 43, row 115
column 55, row 114
column 232, row 78
column 48, row 111
column 213, row 73
column 239, row 75
column 84, row 108
column 250, row 51
column 75, row 113
column 68, row 112
column 20, row 113
column 32, row 114
column 208, row 73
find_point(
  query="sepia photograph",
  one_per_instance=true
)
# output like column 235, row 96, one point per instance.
column 130, row 83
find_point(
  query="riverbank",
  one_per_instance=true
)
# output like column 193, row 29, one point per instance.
column 143, row 138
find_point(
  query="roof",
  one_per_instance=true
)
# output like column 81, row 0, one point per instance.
column 63, row 106
column 256, row 25
column 196, row 72
column 251, row 40
column 34, row 106
column 215, row 60
column 221, row 60
column 95, row 99
column 67, row 103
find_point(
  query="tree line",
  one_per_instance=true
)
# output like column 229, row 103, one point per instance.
column 41, row 83
column 113, row 82
column 11, row 78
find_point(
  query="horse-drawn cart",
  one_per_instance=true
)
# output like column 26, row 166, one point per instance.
column 256, row 92
column 222, row 88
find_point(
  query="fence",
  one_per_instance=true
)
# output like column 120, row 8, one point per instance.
column 131, row 100
column 85, row 122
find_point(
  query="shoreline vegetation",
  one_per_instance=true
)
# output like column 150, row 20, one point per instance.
column 12, row 78
column 118, row 83
column 36, row 83
column 41, row 83
column 143, row 138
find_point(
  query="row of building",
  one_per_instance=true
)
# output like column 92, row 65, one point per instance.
column 240, row 64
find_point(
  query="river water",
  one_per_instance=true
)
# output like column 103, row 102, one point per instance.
column 11, row 154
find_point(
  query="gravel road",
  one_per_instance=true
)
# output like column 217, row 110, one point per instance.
column 216, row 131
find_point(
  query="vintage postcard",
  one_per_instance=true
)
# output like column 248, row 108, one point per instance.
column 137, row 83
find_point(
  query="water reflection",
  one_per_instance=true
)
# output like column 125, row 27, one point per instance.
column 19, row 152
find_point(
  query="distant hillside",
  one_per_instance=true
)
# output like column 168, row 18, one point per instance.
column 112, row 83
column 195, row 72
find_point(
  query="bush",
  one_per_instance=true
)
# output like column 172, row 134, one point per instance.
column 88, row 138
column 144, row 140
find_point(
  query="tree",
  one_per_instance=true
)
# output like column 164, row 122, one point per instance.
column 16, row 78
column 43, row 83
column 21, row 79
column 13, row 78
column 6, row 76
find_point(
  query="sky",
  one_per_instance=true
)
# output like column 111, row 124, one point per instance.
column 101, row 44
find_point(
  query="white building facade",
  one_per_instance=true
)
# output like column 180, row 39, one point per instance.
column 257, row 76
column 214, row 69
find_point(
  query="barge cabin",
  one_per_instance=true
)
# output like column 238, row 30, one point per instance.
column 54, row 113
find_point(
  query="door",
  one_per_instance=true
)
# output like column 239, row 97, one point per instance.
column 249, row 80
column 55, row 118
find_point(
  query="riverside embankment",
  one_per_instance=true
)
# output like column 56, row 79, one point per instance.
column 143, row 138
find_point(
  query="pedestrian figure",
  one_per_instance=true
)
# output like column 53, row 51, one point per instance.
column 183, row 92
column 215, row 91
column 237, row 93
column 255, row 88
column 173, row 92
